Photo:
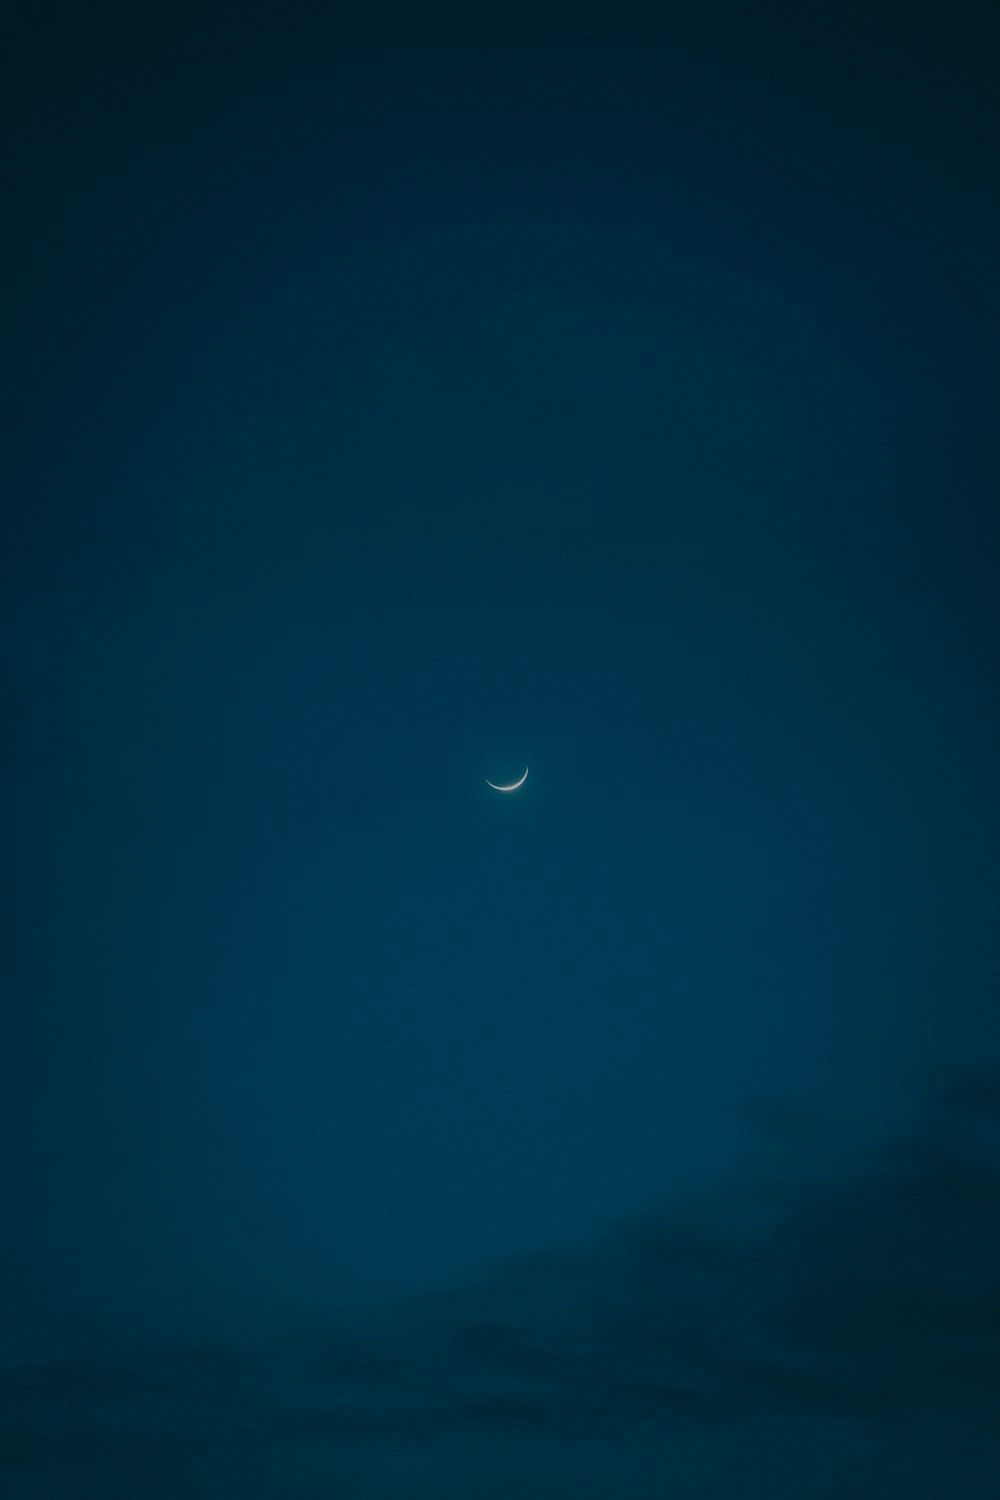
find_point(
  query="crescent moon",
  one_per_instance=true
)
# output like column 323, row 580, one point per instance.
column 513, row 786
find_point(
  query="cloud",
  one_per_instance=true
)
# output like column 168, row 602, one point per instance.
column 866, row 1289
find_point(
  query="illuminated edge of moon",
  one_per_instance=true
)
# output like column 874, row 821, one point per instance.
column 513, row 786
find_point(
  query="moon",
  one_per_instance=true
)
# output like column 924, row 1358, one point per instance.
column 513, row 786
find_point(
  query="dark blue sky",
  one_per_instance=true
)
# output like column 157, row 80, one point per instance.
column 396, row 399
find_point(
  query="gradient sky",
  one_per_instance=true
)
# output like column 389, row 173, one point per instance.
column 395, row 399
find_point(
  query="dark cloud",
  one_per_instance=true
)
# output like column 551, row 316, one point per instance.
column 867, row 1291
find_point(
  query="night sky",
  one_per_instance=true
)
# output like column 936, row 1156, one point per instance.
column 393, row 399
